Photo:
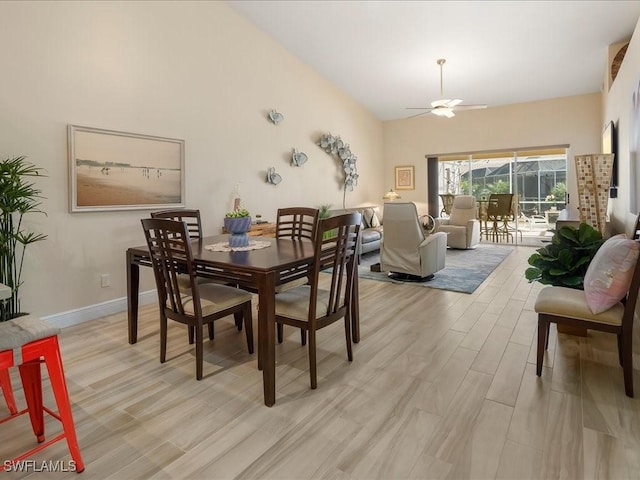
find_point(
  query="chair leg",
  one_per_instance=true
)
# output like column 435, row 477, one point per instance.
column 542, row 329
column 190, row 331
column 303, row 337
column 53, row 361
column 546, row 335
column 238, row 319
column 212, row 333
column 279, row 332
column 32, row 385
column 199, row 351
column 163, row 338
column 627, row 364
column 620, row 359
column 248, row 326
column 347, row 331
column 312, row 359
column 7, row 391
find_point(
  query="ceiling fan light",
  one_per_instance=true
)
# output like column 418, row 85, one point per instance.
column 443, row 112
column 440, row 103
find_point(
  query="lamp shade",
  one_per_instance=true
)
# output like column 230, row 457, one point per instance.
column 391, row 195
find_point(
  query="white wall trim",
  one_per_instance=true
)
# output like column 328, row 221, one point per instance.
column 91, row 312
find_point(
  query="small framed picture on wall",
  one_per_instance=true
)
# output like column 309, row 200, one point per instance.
column 405, row 178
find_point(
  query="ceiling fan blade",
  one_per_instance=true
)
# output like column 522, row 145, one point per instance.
column 469, row 107
column 419, row 114
column 445, row 106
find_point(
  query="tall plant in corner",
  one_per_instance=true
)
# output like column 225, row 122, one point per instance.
column 18, row 196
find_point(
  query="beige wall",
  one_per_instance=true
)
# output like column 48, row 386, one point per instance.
column 199, row 72
column 618, row 108
column 190, row 70
column 573, row 121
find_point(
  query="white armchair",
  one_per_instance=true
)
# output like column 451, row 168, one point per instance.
column 462, row 226
column 406, row 252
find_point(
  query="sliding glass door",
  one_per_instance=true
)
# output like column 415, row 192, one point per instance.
column 536, row 178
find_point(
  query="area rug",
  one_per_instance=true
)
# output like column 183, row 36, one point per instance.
column 464, row 270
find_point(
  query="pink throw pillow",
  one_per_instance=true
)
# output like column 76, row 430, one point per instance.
column 609, row 274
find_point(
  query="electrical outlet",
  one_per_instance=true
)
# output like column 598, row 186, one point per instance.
column 105, row 280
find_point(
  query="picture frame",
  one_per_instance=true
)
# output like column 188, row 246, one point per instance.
column 405, row 178
column 112, row 170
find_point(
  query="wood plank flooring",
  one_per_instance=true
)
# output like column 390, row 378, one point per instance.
column 442, row 385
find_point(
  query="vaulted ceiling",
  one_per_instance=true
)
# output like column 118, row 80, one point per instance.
column 383, row 53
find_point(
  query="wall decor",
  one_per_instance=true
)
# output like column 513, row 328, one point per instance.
column 272, row 177
column 334, row 145
column 405, row 178
column 298, row 158
column 111, row 170
column 275, row 117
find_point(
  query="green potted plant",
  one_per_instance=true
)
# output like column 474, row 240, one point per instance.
column 238, row 223
column 565, row 260
column 18, row 196
column 324, row 211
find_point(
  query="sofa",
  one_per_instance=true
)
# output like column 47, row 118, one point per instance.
column 371, row 232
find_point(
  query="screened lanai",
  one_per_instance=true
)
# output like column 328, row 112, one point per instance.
column 536, row 178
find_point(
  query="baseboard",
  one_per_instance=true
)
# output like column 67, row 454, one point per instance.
column 91, row 312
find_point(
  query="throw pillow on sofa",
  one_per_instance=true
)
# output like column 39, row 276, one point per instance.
column 609, row 274
column 370, row 218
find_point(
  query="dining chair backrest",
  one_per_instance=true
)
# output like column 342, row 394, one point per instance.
column 447, row 202
column 335, row 247
column 297, row 223
column 171, row 256
column 500, row 205
column 191, row 217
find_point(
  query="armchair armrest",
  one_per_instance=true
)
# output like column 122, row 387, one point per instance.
column 441, row 221
column 473, row 232
column 432, row 253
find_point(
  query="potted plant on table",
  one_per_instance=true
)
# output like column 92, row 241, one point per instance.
column 238, row 223
column 18, row 196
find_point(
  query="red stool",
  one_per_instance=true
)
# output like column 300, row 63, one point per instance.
column 7, row 391
column 27, row 342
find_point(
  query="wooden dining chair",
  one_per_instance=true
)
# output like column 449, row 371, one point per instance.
column 297, row 223
column 190, row 216
column 312, row 307
column 172, row 256
column 194, row 225
column 569, row 306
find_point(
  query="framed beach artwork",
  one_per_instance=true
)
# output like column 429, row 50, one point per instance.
column 405, row 178
column 110, row 170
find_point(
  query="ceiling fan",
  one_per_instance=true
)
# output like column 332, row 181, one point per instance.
column 444, row 107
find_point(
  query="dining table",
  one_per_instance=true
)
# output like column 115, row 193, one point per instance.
column 260, row 270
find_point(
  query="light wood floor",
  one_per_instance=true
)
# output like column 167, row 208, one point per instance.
column 442, row 385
